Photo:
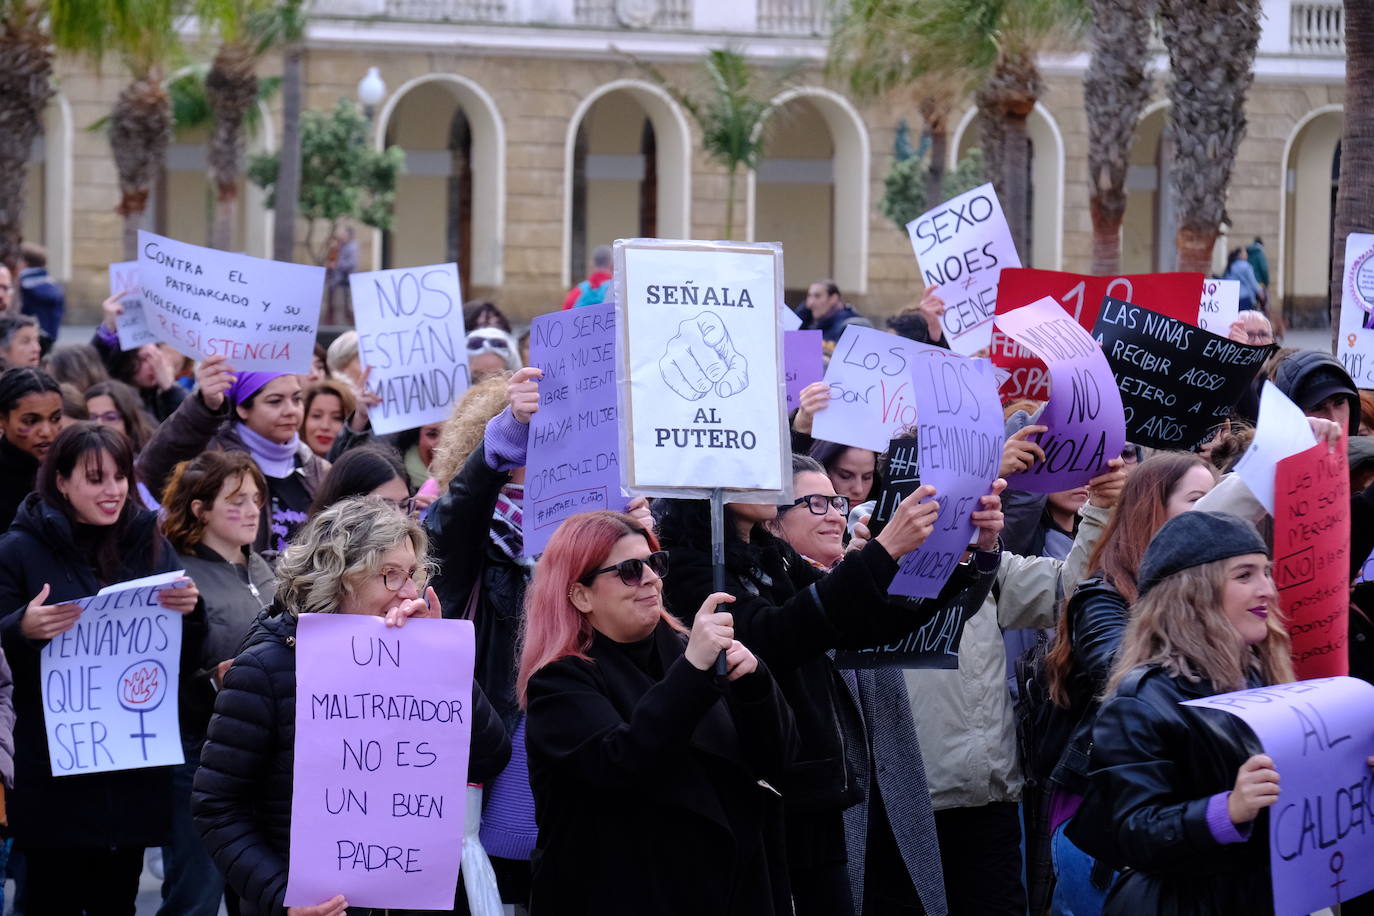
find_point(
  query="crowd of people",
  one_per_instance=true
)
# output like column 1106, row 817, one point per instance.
column 1052, row 771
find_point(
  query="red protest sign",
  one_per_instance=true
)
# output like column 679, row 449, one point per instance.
column 1174, row 294
column 1312, row 557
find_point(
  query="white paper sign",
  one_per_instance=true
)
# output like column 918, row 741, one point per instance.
column 962, row 246
column 410, row 334
column 1355, row 346
column 870, row 389
column 110, row 682
column 262, row 315
column 1219, row 306
column 132, row 325
column 1280, row 431
column 789, row 319
column 699, row 368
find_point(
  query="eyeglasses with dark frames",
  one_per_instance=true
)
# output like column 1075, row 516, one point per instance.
column 819, row 504
column 631, row 571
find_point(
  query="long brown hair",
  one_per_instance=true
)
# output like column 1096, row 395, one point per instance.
column 1142, row 510
column 1179, row 625
column 201, row 479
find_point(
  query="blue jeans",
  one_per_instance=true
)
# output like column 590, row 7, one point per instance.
column 1075, row 892
column 193, row 886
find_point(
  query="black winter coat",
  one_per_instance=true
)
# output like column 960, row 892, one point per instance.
column 18, row 471
column 241, row 801
column 647, row 789
column 1155, row 764
column 458, row 523
column 790, row 614
column 1097, row 620
column 117, row 808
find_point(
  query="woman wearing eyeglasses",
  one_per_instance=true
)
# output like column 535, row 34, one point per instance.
column 359, row 556
column 654, row 780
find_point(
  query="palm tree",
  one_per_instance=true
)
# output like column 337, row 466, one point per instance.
column 291, row 22
column 729, row 111
column 1355, row 196
column 1211, row 59
column 1115, row 90
column 144, row 34
column 26, row 64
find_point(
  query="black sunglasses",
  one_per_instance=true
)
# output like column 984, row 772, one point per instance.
column 631, row 571
column 819, row 504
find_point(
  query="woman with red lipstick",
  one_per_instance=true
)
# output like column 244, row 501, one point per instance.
column 1177, row 793
column 30, row 419
column 327, row 403
column 83, row 529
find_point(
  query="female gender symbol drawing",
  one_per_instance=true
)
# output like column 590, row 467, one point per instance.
column 142, row 687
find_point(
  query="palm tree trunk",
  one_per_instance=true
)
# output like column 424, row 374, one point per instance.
column 288, row 187
column 1355, row 197
column 730, row 202
column 1115, row 90
column 1210, row 79
column 939, row 151
column 25, row 88
column 1016, row 179
column 1007, row 100
column 231, row 87
column 140, row 130
column 992, row 139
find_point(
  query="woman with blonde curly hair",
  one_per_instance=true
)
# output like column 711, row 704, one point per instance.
column 359, row 556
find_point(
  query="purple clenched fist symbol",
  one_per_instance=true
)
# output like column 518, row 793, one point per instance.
column 700, row 359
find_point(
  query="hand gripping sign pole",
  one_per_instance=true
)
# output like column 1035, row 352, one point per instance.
column 702, row 395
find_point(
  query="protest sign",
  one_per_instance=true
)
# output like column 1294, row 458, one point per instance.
column 574, row 451
column 1281, row 430
column 1177, row 381
column 1219, row 307
column 110, row 682
column 260, row 315
column 1355, row 344
column 701, row 392
column 131, row 326
column 788, row 319
column 1084, row 417
column 959, row 437
column 1173, row 294
column 410, row 334
column 802, row 361
column 383, row 724
column 901, row 478
column 962, row 246
column 1318, row 733
column 935, row 645
column 871, row 400
column 1312, row 557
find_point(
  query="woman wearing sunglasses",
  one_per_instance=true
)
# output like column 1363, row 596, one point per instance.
column 359, row 556
column 641, row 759
column 490, row 351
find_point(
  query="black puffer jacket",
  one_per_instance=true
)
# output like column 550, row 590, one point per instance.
column 18, row 470
column 242, row 796
column 1155, row 765
column 1097, row 620
column 117, row 808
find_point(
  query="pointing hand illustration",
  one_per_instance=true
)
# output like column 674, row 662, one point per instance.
column 701, row 358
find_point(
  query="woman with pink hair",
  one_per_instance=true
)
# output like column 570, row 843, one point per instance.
column 641, row 759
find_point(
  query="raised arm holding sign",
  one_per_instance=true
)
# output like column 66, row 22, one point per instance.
column 131, row 325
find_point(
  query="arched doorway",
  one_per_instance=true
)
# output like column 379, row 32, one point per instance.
column 1151, row 221
column 628, row 162
column 813, row 173
column 450, row 203
column 1045, row 185
column 1311, row 170
column 47, row 188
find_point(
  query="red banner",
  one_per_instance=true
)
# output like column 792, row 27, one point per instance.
column 1174, row 294
column 1312, row 557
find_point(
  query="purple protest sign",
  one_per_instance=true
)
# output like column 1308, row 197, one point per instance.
column 383, row 724
column 802, row 362
column 1087, row 426
column 959, row 433
column 574, row 455
column 1319, row 734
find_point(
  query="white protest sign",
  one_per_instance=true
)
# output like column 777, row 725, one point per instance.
column 870, row 389
column 1355, row 346
column 110, row 682
column 1219, row 306
column 410, row 334
column 789, row 319
column 699, row 369
column 1280, row 431
column 1319, row 734
column 132, row 325
column 962, row 246
column 261, row 315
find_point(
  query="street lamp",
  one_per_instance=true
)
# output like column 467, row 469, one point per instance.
column 371, row 91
